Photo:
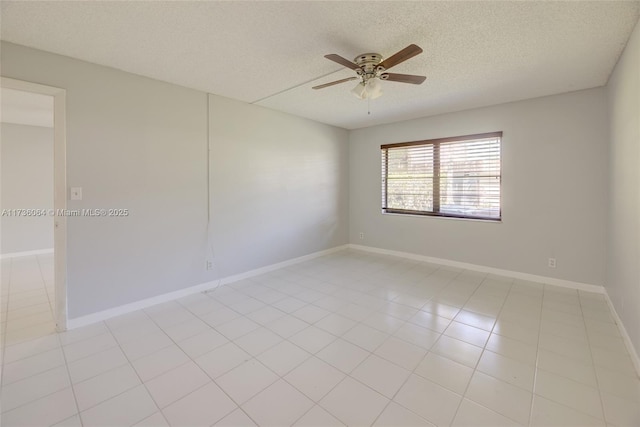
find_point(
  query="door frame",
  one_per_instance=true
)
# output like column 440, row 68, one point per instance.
column 59, row 191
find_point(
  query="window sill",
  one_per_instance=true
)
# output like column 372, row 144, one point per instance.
column 485, row 221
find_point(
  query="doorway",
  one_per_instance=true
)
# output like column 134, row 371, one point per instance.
column 57, row 266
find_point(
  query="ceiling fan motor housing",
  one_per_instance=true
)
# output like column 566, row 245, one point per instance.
column 368, row 63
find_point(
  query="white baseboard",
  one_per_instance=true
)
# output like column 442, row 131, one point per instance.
column 27, row 253
column 138, row 305
column 181, row 293
column 485, row 269
column 625, row 336
column 277, row 266
column 524, row 276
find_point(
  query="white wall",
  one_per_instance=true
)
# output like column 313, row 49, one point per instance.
column 26, row 153
column 141, row 144
column 623, row 271
column 554, row 152
column 279, row 185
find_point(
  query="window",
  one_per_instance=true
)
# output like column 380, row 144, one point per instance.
column 453, row 177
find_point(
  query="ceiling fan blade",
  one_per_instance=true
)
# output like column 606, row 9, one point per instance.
column 403, row 78
column 334, row 83
column 406, row 53
column 342, row 61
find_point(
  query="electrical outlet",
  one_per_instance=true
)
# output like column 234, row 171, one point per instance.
column 209, row 265
column 552, row 263
column 361, row 235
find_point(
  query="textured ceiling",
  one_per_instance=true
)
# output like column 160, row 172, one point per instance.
column 25, row 108
column 271, row 53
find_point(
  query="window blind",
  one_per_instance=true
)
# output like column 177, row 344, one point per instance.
column 455, row 177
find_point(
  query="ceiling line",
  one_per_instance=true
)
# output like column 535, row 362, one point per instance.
column 296, row 86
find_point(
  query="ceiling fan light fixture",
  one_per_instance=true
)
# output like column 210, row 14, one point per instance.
column 360, row 91
column 374, row 88
column 369, row 90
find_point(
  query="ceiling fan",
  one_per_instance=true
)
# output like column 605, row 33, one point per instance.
column 371, row 68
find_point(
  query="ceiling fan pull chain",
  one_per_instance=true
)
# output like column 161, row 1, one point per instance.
column 368, row 106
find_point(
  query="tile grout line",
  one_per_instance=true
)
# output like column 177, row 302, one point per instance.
column 475, row 369
column 387, row 338
column 135, row 372
column 348, row 375
column 412, row 372
column 2, row 383
column 48, row 370
column 196, row 363
column 129, row 362
column 265, row 350
column 572, row 380
column 535, row 368
column 73, row 391
column 239, row 406
column 44, row 284
column 40, row 291
column 595, row 372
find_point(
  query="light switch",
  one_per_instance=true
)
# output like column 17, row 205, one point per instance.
column 76, row 193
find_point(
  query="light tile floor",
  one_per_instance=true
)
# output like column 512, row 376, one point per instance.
column 350, row 338
column 26, row 298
